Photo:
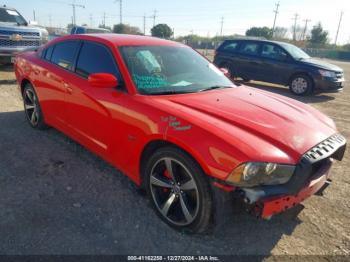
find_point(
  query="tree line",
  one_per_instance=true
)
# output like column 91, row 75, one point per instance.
column 316, row 38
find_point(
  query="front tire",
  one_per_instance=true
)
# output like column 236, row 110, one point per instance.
column 301, row 85
column 179, row 190
column 32, row 108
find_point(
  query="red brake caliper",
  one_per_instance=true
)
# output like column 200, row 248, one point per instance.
column 166, row 174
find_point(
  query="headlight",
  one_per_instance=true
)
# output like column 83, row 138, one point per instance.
column 326, row 73
column 257, row 173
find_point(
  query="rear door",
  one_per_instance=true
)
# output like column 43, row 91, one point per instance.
column 59, row 61
column 276, row 66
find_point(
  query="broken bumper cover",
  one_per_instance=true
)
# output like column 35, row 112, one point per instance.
column 272, row 206
column 311, row 176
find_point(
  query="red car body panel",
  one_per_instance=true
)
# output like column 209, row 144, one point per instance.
column 220, row 128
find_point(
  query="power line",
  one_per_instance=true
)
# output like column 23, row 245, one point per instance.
column 274, row 21
column 74, row 5
column 295, row 26
column 336, row 36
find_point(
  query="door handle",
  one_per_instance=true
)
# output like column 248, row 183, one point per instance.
column 67, row 87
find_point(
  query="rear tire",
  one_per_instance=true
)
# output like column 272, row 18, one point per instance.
column 179, row 190
column 301, row 85
column 32, row 108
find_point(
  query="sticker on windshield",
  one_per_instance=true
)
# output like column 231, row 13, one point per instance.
column 11, row 12
column 182, row 83
column 147, row 82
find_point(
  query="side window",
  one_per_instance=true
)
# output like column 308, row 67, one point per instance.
column 230, row 47
column 249, row 48
column 64, row 54
column 48, row 53
column 95, row 58
column 273, row 52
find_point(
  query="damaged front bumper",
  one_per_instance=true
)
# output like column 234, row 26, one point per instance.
column 311, row 176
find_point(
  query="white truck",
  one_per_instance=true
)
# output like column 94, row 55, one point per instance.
column 17, row 35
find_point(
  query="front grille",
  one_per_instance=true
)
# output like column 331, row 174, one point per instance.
column 22, row 33
column 22, row 43
column 316, row 162
column 326, row 148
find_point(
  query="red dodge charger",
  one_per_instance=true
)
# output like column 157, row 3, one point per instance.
column 177, row 126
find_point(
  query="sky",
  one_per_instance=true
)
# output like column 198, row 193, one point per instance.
column 201, row 17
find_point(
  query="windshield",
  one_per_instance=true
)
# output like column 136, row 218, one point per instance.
column 169, row 69
column 11, row 16
column 295, row 52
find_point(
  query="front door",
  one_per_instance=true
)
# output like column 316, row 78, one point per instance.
column 276, row 67
column 88, row 116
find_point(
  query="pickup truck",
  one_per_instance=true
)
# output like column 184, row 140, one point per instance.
column 17, row 35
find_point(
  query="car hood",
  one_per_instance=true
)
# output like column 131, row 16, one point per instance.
column 285, row 123
column 14, row 27
column 321, row 64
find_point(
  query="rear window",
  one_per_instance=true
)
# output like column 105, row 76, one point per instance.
column 64, row 53
column 249, row 48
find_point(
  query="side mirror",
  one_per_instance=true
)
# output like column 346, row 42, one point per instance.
column 226, row 72
column 103, row 80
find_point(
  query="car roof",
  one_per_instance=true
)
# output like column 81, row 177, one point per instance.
column 255, row 40
column 120, row 39
column 7, row 7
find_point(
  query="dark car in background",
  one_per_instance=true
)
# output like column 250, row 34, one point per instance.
column 78, row 30
column 278, row 63
column 17, row 35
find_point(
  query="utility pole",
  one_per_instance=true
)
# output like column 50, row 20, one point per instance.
column 222, row 25
column 34, row 15
column 104, row 19
column 305, row 28
column 336, row 36
column 295, row 27
column 154, row 17
column 120, row 10
column 274, row 21
column 144, row 24
column 74, row 6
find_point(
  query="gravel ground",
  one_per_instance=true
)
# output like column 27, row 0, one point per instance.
column 58, row 198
